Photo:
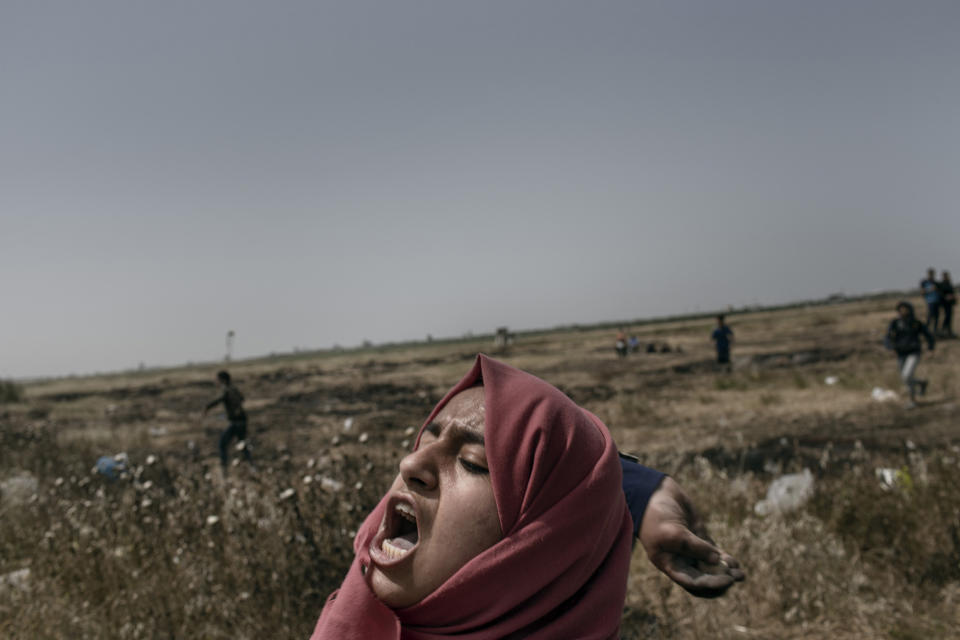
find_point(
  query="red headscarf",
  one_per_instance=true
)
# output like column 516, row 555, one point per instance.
column 560, row 570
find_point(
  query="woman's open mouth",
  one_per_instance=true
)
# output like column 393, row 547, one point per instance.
column 398, row 535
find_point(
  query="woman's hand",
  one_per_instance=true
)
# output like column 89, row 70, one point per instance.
column 677, row 543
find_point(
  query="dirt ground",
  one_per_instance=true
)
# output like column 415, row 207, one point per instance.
column 817, row 572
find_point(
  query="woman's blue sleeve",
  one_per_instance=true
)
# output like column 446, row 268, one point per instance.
column 639, row 483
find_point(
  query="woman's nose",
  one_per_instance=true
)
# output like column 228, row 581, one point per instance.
column 419, row 469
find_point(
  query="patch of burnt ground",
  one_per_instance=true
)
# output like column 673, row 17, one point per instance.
column 770, row 360
column 587, row 394
column 383, row 394
column 824, row 456
column 127, row 393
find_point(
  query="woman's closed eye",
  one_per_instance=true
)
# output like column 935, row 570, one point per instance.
column 473, row 467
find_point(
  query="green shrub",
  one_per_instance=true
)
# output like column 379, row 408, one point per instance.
column 10, row 391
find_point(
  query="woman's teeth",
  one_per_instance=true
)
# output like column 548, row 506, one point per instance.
column 406, row 511
column 400, row 545
column 394, row 551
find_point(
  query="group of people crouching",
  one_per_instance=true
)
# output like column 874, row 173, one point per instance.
column 514, row 517
column 625, row 346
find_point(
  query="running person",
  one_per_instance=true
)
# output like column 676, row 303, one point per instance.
column 903, row 336
column 232, row 401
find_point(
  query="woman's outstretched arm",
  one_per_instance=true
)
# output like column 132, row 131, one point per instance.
column 677, row 543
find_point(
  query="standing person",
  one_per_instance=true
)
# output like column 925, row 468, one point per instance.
column 232, row 401
column 948, row 298
column 723, row 337
column 903, row 336
column 931, row 295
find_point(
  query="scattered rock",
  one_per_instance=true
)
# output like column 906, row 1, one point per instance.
column 329, row 484
column 18, row 489
column 18, row 580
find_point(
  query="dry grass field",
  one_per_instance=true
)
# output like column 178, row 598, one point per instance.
column 173, row 550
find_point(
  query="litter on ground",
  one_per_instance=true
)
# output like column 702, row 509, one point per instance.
column 883, row 395
column 786, row 493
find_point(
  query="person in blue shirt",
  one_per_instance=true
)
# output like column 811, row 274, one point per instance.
column 723, row 337
column 931, row 295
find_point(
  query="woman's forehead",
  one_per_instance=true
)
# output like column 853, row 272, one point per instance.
column 465, row 411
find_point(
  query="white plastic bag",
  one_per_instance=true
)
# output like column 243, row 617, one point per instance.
column 786, row 493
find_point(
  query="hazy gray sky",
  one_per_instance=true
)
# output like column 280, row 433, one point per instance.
column 311, row 173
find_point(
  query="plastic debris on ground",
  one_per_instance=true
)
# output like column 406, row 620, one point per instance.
column 110, row 467
column 894, row 478
column 831, row 380
column 883, row 395
column 18, row 489
column 786, row 493
column 18, row 580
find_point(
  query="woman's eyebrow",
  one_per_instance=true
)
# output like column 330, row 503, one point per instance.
column 462, row 433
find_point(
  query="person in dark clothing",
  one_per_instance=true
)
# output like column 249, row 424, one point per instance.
column 931, row 295
column 948, row 298
column 232, row 401
column 903, row 337
column 723, row 337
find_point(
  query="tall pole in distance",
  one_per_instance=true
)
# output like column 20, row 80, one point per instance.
column 229, row 355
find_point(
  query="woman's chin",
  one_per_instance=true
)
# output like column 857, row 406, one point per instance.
column 389, row 592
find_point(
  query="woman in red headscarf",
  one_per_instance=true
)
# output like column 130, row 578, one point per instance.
column 506, row 521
